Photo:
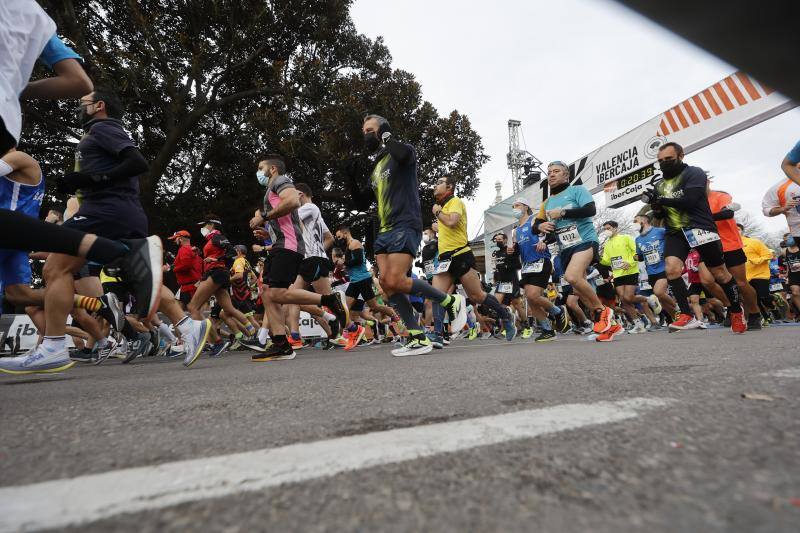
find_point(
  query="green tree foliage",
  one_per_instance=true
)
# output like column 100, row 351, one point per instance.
column 209, row 85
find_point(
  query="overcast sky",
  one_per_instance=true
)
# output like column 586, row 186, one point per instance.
column 577, row 73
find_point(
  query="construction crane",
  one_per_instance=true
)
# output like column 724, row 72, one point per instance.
column 526, row 169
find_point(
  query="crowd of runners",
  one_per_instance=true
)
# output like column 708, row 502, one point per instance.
column 559, row 271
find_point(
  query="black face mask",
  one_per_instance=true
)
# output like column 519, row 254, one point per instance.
column 371, row 142
column 671, row 168
column 500, row 244
column 340, row 244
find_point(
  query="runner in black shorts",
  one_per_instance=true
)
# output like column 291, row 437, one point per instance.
column 792, row 261
column 681, row 200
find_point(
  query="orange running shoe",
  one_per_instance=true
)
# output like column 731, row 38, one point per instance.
column 296, row 343
column 684, row 321
column 605, row 318
column 738, row 323
column 609, row 335
column 354, row 338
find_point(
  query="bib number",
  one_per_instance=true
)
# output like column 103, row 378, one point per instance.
column 569, row 236
column 699, row 237
column 644, row 285
column 553, row 248
column 504, row 288
column 616, row 263
column 429, row 268
column 794, row 266
column 533, row 268
column 652, row 257
column 774, row 287
column 442, row 267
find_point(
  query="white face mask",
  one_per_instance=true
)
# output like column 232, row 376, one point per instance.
column 262, row 178
column 517, row 212
column 425, row 238
column 204, row 232
column 605, row 234
column 637, row 228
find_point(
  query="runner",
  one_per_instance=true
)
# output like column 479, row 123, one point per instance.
column 792, row 261
column 650, row 249
column 428, row 259
column 783, row 198
column 681, row 198
column 723, row 210
column 456, row 262
column 506, row 273
column 396, row 190
column 281, row 202
column 758, row 273
column 188, row 266
column 568, row 213
column 790, row 166
column 536, row 271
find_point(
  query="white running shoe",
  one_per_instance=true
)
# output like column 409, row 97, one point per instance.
column 195, row 340
column 654, row 304
column 416, row 346
column 41, row 361
column 459, row 313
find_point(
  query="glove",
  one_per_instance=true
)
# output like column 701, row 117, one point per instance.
column 65, row 187
column 73, row 181
column 385, row 132
column 650, row 196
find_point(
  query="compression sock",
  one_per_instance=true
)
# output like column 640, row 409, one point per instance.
column 166, row 332
column 438, row 318
column 92, row 305
column 129, row 331
column 556, row 310
column 501, row 310
column 105, row 251
column 545, row 325
column 403, row 308
column 428, row 291
column 681, row 294
column 732, row 292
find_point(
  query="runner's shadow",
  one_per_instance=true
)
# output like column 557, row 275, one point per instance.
column 39, row 379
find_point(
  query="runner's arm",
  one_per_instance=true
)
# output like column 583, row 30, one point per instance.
column 289, row 202
column 790, row 169
column 691, row 197
column 400, row 152
column 584, row 211
column 357, row 257
column 70, row 81
column 448, row 219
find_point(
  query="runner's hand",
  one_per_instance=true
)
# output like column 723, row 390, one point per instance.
column 256, row 221
column 547, row 227
column 541, row 246
column 554, row 214
column 625, row 265
column 260, row 233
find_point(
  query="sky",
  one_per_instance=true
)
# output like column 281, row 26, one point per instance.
column 577, row 73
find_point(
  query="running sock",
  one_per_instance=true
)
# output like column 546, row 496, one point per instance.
column 426, row 290
column 295, row 335
column 239, row 335
column 732, row 292
column 184, row 326
column 166, row 332
column 681, row 294
column 279, row 340
column 556, row 310
column 328, row 316
column 131, row 333
column 492, row 303
column 54, row 344
column 438, row 318
column 105, row 251
column 403, row 308
column 251, row 330
column 545, row 324
column 262, row 335
column 531, row 321
column 92, row 305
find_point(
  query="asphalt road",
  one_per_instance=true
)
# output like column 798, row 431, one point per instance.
column 708, row 460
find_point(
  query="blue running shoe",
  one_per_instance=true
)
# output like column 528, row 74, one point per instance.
column 511, row 329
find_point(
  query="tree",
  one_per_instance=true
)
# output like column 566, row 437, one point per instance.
column 622, row 217
column 754, row 229
column 210, row 85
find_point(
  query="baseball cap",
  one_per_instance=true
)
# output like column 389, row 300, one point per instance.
column 521, row 200
column 211, row 220
column 178, row 234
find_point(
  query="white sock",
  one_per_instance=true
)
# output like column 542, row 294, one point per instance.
column 54, row 344
column 328, row 316
column 102, row 342
column 262, row 335
column 165, row 331
column 185, row 326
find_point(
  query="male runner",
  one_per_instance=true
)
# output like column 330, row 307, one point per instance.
column 650, row 249
column 395, row 188
column 536, row 268
column 783, row 198
column 506, row 276
column 792, row 261
column 791, row 165
column 568, row 213
column 682, row 199
column 188, row 266
column 758, row 273
column 281, row 202
column 456, row 262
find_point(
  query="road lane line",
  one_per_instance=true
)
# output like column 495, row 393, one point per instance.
column 785, row 373
column 75, row 501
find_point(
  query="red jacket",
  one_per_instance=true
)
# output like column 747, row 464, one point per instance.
column 188, row 267
column 215, row 247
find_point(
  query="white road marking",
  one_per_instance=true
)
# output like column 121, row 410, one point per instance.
column 66, row 502
column 785, row 373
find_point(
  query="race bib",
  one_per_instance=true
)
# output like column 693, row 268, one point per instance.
column 794, row 266
column 652, row 257
column 552, row 248
column 504, row 288
column 598, row 282
column 533, row 267
column 644, row 285
column 442, row 267
column 699, row 237
column 774, row 287
column 616, row 263
column 429, row 268
column 569, row 236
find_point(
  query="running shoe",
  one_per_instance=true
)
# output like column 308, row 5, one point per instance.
column 546, row 335
column 654, row 304
column 297, row 344
column 141, row 269
column 638, row 327
column 603, row 320
column 684, row 321
column 754, row 322
column 276, row 352
column 457, row 313
column 340, row 310
column 354, row 338
column 702, row 325
column 195, row 340
column 219, row 348
column 253, row 343
column 436, row 340
column 40, row 361
column 235, row 345
column 334, row 325
column 418, row 345
column 474, row 332
column 113, row 310
column 738, row 323
column 510, row 329
column 155, row 343
column 138, row 347
column 609, row 334
column 104, row 352
column 176, row 350
column 82, row 356
column 655, row 327
column 527, row 332
column 726, row 323
column 561, row 321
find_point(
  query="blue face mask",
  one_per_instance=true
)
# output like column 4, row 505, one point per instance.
column 790, row 242
column 263, row 179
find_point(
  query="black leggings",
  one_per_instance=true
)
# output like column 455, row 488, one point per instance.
column 21, row 232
